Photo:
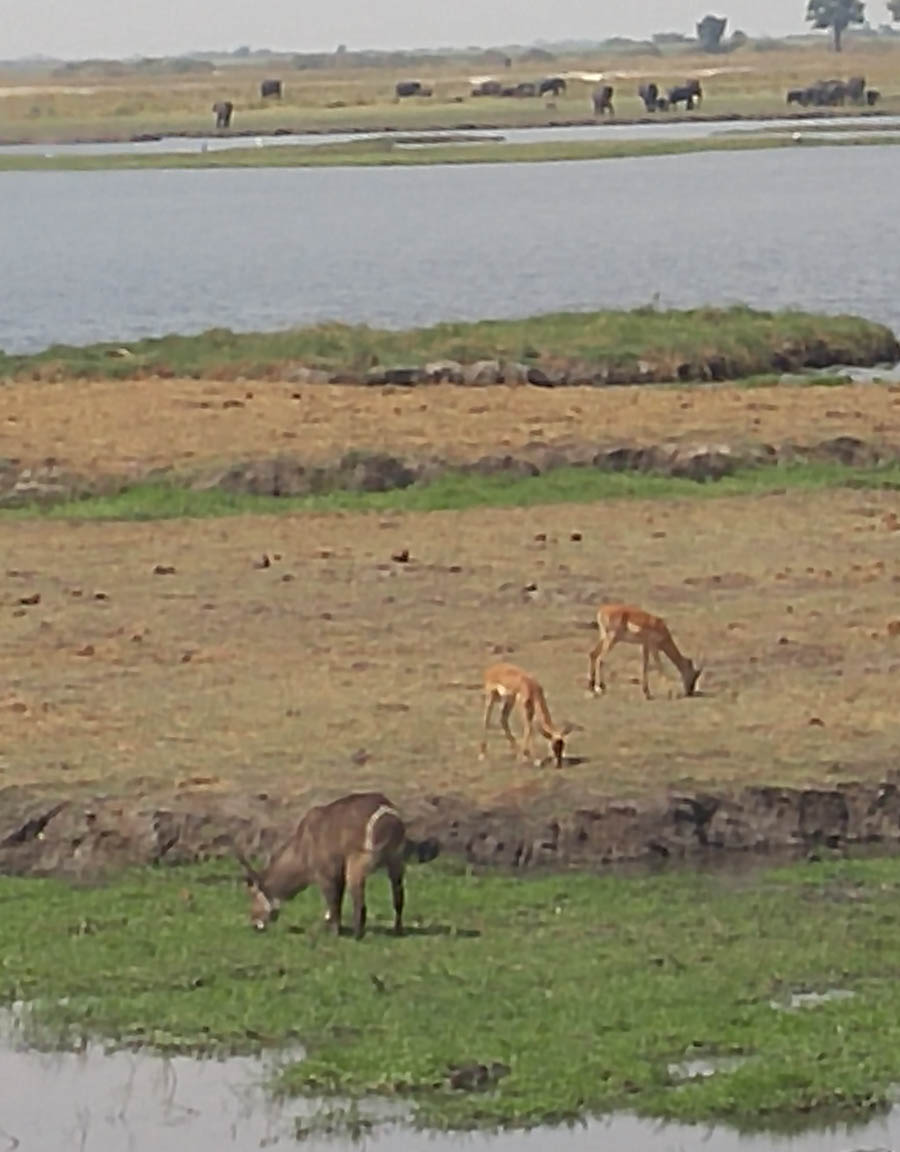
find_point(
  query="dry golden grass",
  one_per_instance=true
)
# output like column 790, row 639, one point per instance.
column 43, row 106
column 337, row 667
column 90, row 428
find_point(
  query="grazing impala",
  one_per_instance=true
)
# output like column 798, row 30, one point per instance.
column 623, row 623
column 336, row 846
column 509, row 685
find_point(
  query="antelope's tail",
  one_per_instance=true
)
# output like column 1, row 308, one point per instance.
column 421, row 851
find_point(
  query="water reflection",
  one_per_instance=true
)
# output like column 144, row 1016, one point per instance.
column 98, row 1102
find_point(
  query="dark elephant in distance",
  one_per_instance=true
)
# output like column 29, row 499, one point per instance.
column 602, row 98
column 822, row 93
column 410, row 88
column 649, row 94
column 270, row 88
column 487, row 88
column 832, row 93
column 554, row 85
column 856, row 89
column 223, row 110
column 686, row 94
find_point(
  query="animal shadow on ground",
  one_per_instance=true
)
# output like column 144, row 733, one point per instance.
column 424, row 930
column 386, row 930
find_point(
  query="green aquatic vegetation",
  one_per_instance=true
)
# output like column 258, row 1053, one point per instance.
column 575, row 991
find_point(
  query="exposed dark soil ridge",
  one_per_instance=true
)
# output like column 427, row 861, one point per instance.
column 461, row 125
column 874, row 346
column 564, row 828
column 357, row 471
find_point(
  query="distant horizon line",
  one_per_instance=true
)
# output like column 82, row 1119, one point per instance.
column 570, row 44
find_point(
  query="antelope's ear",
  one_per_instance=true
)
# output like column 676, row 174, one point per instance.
column 568, row 729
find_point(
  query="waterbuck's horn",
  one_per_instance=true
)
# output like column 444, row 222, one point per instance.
column 250, row 871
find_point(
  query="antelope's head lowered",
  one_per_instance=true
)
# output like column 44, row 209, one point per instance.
column 264, row 907
column 556, row 739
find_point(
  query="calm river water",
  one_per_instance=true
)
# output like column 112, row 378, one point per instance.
column 119, row 255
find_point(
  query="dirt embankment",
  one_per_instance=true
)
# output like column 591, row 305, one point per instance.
column 356, row 471
column 563, row 828
column 61, row 439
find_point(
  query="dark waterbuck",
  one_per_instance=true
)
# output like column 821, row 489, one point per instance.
column 336, row 846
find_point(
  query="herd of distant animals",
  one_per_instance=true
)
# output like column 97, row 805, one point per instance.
column 821, row 94
column 835, row 93
column 337, row 846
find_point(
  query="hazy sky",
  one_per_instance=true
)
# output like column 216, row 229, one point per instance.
column 79, row 28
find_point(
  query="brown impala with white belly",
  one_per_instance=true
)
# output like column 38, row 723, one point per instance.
column 626, row 624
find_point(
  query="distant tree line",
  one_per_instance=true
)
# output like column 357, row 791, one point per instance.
column 835, row 15
column 838, row 15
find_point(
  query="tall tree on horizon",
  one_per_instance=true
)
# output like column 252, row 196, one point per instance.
column 837, row 15
column 710, row 31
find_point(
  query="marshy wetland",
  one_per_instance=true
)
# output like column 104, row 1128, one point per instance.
column 246, row 571
column 509, row 1002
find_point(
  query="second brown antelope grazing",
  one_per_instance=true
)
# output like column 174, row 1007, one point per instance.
column 509, row 685
column 336, row 846
column 625, row 624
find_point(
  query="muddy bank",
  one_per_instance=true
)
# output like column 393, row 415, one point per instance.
column 463, row 124
column 561, row 828
column 871, row 345
column 288, row 475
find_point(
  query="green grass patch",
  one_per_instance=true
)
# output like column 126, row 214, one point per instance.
column 678, row 343
column 459, row 491
column 385, row 152
column 586, row 987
